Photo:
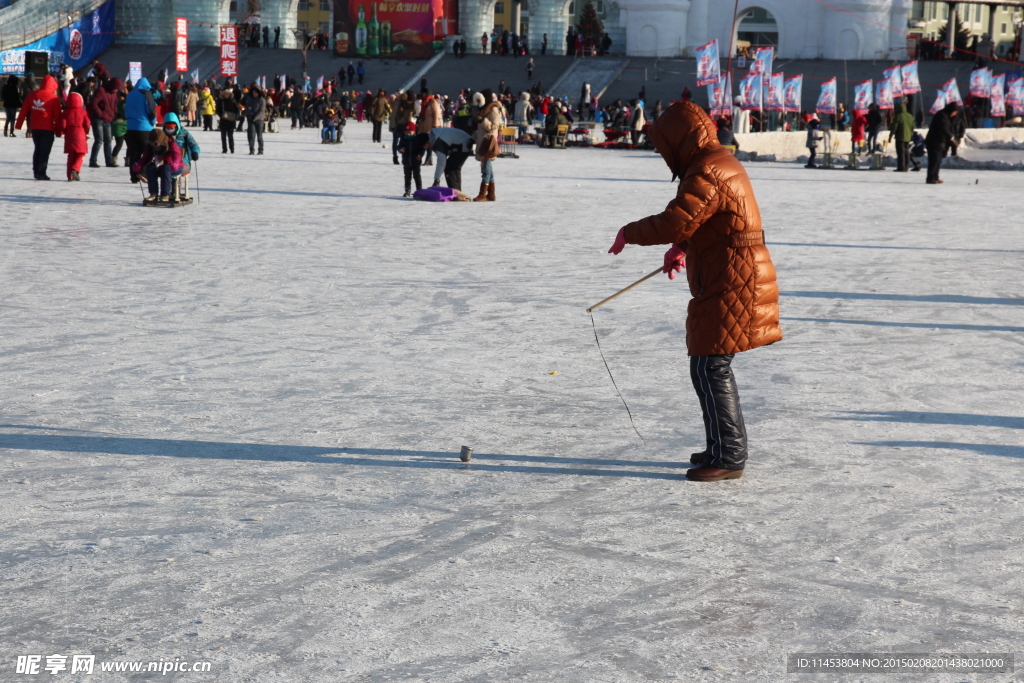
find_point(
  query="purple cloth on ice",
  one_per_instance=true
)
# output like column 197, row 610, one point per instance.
column 435, row 194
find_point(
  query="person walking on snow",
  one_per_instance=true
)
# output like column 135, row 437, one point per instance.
column 255, row 114
column 489, row 122
column 75, row 123
column 940, row 139
column 141, row 114
column 902, row 129
column 102, row 110
column 714, row 227
column 814, row 136
column 42, row 109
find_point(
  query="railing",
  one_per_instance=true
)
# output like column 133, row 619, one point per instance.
column 54, row 21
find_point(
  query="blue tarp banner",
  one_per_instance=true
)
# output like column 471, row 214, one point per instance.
column 76, row 45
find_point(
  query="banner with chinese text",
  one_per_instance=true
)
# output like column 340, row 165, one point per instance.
column 1016, row 95
column 981, row 83
column 181, row 44
column 910, row 81
column 883, row 94
column 720, row 97
column 762, row 63
column 998, row 90
column 776, row 93
column 229, row 51
column 708, row 72
column 862, row 96
column 750, row 91
column 827, row 98
column 793, row 92
column 895, row 78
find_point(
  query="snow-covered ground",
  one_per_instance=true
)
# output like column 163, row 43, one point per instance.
column 230, row 432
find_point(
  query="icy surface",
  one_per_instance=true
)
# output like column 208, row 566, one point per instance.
column 231, row 431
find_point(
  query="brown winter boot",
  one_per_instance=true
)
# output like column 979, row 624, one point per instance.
column 490, row 193
column 707, row 473
column 482, row 197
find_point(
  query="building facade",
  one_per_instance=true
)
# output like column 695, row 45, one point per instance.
column 314, row 16
column 151, row 22
column 799, row 29
column 995, row 27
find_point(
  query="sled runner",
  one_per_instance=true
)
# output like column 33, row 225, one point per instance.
column 179, row 194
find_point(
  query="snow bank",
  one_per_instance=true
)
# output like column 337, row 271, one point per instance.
column 231, row 432
column 787, row 146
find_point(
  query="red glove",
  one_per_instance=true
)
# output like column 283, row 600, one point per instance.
column 620, row 242
column 675, row 261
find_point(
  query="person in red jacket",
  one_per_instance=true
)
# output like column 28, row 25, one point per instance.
column 75, row 122
column 42, row 109
column 860, row 122
column 102, row 109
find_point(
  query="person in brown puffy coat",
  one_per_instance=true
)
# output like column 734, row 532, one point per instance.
column 714, row 226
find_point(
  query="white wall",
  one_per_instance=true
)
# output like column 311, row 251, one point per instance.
column 656, row 28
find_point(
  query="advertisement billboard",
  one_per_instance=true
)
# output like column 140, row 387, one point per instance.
column 398, row 30
column 75, row 45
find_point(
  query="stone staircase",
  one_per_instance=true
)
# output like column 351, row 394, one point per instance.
column 450, row 75
column 255, row 62
column 599, row 72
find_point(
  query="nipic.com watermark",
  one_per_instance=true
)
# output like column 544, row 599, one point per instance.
column 33, row 665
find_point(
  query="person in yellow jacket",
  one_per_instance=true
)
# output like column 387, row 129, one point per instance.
column 207, row 107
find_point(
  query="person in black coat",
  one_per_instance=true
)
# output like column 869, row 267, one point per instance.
column 12, row 103
column 874, row 125
column 412, row 147
column 229, row 113
column 941, row 135
column 959, row 130
column 725, row 134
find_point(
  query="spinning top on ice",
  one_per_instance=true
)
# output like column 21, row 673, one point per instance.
column 466, row 455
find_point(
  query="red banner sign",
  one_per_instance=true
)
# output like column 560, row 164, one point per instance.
column 229, row 51
column 181, row 44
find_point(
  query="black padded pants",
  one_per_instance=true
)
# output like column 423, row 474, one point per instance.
column 723, row 419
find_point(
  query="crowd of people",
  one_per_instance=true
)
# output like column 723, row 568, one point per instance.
column 120, row 115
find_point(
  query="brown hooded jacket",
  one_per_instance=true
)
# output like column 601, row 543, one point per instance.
column 715, row 219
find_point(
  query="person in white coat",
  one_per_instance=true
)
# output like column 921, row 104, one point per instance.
column 523, row 112
column 740, row 117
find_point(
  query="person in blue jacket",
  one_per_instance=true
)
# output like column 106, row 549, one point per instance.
column 140, row 117
column 188, row 144
column 189, row 147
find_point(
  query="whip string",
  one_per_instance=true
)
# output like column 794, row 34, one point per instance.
column 619, row 392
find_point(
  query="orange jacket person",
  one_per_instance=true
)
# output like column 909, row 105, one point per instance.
column 714, row 226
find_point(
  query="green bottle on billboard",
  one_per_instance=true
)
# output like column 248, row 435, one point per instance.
column 361, row 32
column 373, row 35
column 385, row 37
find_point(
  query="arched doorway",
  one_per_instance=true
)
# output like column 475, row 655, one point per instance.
column 757, row 28
column 849, row 44
column 648, row 41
